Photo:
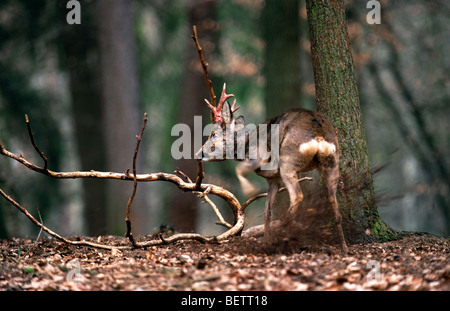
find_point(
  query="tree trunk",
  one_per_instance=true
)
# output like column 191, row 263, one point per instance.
column 337, row 97
column 80, row 58
column 183, row 207
column 281, row 32
column 121, row 108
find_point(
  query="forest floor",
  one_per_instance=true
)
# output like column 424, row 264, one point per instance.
column 418, row 262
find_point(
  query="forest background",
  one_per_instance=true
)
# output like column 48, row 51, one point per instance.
column 86, row 103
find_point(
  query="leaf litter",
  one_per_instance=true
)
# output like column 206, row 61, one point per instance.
column 416, row 262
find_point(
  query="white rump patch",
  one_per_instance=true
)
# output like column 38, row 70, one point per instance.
column 317, row 146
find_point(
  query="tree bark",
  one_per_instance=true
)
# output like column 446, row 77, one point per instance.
column 121, row 107
column 337, row 97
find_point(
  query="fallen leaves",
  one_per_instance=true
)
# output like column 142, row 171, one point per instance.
column 413, row 263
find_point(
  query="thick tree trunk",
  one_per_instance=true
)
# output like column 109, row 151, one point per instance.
column 337, row 97
column 121, row 108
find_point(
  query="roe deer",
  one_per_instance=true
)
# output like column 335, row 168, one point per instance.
column 306, row 140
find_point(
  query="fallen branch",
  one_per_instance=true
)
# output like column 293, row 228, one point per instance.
column 218, row 214
column 185, row 186
column 24, row 210
column 234, row 230
column 204, row 195
column 182, row 185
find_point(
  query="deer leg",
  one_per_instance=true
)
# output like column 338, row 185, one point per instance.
column 332, row 179
column 270, row 200
column 290, row 180
column 243, row 169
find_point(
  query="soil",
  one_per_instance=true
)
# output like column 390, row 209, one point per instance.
column 416, row 262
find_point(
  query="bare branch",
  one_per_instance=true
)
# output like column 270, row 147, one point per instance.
column 200, row 174
column 174, row 238
column 204, row 195
column 218, row 214
column 24, row 210
column 33, row 142
column 182, row 174
column 205, row 67
column 185, row 186
column 129, row 234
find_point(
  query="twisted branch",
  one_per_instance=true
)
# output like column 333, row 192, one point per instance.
column 182, row 185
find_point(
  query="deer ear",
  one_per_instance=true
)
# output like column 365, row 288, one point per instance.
column 240, row 123
column 240, row 120
column 226, row 113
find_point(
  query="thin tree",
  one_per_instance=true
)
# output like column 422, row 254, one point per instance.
column 337, row 96
column 79, row 54
column 119, row 85
column 281, row 33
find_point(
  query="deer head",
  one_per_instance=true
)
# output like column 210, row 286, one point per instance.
column 222, row 140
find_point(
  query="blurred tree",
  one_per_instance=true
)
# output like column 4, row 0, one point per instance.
column 24, row 28
column 403, row 61
column 281, row 34
column 79, row 55
column 183, row 212
column 337, row 96
column 121, row 110
column 426, row 147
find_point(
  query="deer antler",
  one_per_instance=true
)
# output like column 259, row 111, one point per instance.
column 217, row 111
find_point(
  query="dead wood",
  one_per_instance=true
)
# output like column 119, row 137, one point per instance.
column 129, row 234
column 198, row 188
column 24, row 210
column 204, row 67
